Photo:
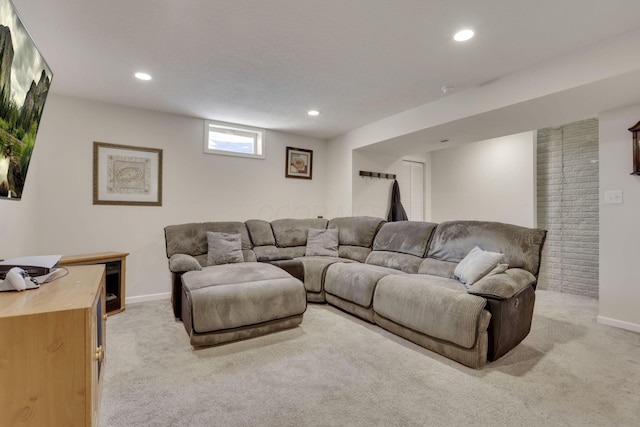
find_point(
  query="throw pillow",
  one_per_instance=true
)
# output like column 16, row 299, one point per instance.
column 476, row 265
column 224, row 248
column 322, row 242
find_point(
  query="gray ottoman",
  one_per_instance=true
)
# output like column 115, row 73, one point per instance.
column 232, row 302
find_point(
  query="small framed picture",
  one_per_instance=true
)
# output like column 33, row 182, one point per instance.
column 126, row 175
column 299, row 163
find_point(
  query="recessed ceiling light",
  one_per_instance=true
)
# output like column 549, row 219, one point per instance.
column 463, row 35
column 142, row 76
column 313, row 112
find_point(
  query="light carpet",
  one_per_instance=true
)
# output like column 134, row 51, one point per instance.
column 336, row 370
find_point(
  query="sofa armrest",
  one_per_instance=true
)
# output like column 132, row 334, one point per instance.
column 503, row 285
column 180, row 263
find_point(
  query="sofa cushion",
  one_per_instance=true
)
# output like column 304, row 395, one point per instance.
column 521, row 246
column 355, row 253
column 476, row 265
column 232, row 273
column 293, row 252
column 436, row 267
column 356, row 230
column 260, row 232
column 405, row 237
column 224, row 248
column 267, row 252
column 395, row 260
column 401, row 245
column 442, row 282
column 322, row 243
column 446, row 314
column 355, row 282
column 294, row 232
column 314, row 271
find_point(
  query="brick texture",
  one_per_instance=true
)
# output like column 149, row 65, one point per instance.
column 567, row 207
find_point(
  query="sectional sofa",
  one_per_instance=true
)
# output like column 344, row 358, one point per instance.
column 419, row 280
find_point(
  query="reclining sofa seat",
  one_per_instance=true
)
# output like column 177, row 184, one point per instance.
column 472, row 336
column 398, row 249
column 509, row 296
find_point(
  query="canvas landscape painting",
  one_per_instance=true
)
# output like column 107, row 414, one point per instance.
column 25, row 79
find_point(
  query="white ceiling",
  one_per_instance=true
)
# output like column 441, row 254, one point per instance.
column 265, row 63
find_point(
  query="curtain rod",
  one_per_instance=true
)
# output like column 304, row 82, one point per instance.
column 378, row 175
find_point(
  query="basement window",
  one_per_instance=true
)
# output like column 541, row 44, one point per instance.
column 234, row 140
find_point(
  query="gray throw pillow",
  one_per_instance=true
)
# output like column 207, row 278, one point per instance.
column 224, row 248
column 476, row 265
column 322, row 242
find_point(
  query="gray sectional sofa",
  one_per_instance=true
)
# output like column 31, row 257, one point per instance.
column 402, row 276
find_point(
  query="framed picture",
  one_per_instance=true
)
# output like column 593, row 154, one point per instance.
column 299, row 163
column 125, row 175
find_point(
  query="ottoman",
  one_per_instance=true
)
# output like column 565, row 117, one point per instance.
column 231, row 302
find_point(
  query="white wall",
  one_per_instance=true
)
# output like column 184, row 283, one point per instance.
column 372, row 196
column 338, row 192
column 196, row 187
column 17, row 236
column 490, row 180
column 487, row 180
column 619, row 229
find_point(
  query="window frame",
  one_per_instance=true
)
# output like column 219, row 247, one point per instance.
column 260, row 144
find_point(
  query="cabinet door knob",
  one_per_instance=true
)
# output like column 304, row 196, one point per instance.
column 104, row 316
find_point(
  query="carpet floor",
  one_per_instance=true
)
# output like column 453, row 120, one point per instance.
column 336, row 370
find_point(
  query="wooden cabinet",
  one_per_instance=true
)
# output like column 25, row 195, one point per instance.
column 116, row 268
column 52, row 351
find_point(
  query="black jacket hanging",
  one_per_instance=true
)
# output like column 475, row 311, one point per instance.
column 396, row 211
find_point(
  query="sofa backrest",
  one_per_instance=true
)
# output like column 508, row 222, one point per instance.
column 191, row 238
column 264, row 242
column 401, row 245
column 289, row 236
column 355, row 235
column 260, row 232
column 453, row 240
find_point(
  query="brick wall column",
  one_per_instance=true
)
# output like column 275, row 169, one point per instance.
column 567, row 206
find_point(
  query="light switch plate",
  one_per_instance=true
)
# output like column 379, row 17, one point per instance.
column 613, row 197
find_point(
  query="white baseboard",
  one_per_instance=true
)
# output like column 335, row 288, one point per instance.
column 145, row 298
column 619, row 324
